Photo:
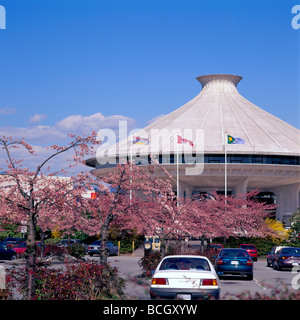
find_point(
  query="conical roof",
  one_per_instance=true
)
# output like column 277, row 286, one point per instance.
column 217, row 109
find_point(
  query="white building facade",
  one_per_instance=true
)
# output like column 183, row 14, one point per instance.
column 269, row 160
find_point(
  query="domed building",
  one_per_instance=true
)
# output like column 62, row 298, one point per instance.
column 218, row 141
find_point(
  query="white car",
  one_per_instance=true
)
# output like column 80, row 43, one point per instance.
column 184, row 277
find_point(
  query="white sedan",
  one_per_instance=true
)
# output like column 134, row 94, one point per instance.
column 185, row 277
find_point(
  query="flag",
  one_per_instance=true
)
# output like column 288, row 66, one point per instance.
column 234, row 140
column 94, row 195
column 181, row 140
column 139, row 140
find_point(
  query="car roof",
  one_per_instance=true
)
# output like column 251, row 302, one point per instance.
column 185, row 256
column 233, row 249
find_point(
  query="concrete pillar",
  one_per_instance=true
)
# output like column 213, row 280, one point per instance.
column 241, row 188
column 287, row 201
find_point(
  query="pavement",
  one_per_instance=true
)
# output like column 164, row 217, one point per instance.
column 137, row 288
column 264, row 282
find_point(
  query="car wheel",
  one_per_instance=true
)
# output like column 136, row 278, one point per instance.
column 279, row 267
column 250, row 276
column 14, row 257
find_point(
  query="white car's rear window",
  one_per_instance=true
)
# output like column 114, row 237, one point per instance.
column 182, row 263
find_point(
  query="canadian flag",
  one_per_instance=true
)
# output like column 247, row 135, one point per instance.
column 181, row 140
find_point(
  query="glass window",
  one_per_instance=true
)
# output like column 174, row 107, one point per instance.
column 185, row 263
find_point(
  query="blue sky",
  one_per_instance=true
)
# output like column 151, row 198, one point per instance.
column 70, row 64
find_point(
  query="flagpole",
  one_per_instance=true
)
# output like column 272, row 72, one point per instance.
column 130, row 195
column 225, row 164
column 177, row 172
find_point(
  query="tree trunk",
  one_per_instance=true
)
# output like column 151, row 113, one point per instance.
column 30, row 256
column 103, row 244
column 162, row 247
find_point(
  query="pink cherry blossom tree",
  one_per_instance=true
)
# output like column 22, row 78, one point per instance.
column 136, row 194
column 39, row 197
column 220, row 216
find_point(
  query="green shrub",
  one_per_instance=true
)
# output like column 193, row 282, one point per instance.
column 76, row 250
column 126, row 245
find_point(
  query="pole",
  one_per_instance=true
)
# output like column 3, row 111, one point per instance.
column 133, row 248
column 177, row 173
column 131, row 143
column 225, row 164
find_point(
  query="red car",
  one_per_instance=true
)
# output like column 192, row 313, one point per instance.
column 251, row 249
column 21, row 248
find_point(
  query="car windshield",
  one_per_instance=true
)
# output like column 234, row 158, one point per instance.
column 247, row 247
column 216, row 246
column 22, row 245
column 290, row 251
column 96, row 243
column 182, row 263
column 11, row 240
column 234, row 253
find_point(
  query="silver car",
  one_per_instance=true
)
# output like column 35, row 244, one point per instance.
column 65, row 242
column 94, row 248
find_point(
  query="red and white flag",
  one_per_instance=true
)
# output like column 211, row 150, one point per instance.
column 181, row 140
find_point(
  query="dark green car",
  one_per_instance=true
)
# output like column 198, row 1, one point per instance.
column 234, row 262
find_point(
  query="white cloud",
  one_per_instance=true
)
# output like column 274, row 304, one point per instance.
column 30, row 161
column 34, row 135
column 7, row 111
column 41, row 136
column 37, row 118
column 77, row 124
column 97, row 121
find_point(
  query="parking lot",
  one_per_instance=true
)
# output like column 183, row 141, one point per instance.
column 265, row 278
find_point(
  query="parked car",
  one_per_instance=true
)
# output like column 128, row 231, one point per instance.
column 271, row 255
column 234, row 262
column 21, row 248
column 286, row 258
column 251, row 249
column 94, row 248
column 215, row 247
column 13, row 242
column 184, row 277
column 64, row 243
column 6, row 253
